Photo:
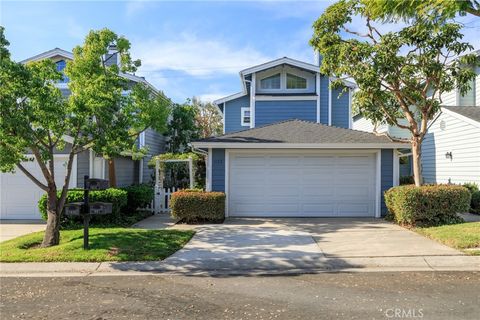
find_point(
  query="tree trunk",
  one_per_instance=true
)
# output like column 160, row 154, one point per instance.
column 417, row 161
column 111, row 173
column 52, row 232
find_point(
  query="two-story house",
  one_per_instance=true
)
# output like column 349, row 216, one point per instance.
column 19, row 196
column 288, row 148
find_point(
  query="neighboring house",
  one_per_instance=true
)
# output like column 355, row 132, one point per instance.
column 288, row 149
column 19, row 196
column 451, row 149
column 439, row 165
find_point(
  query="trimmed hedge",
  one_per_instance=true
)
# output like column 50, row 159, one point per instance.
column 194, row 206
column 475, row 203
column 116, row 196
column 428, row 205
column 139, row 196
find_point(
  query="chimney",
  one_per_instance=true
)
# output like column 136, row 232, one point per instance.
column 317, row 58
column 111, row 57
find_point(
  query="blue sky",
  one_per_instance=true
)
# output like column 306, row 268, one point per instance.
column 187, row 48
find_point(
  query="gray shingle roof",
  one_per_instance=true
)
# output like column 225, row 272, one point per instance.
column 469, row 112
column 299, row 131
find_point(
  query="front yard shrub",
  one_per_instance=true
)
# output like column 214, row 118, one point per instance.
column 139, row 196
column 428, row 205
column 475, row 203
column 471, row 186
column 194, row 207
column 117, row 197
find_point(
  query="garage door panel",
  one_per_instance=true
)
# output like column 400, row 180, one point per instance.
column 19, row 195
column 355, row 209
column 316, row 185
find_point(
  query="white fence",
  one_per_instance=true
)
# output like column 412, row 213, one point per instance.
column 161, row 201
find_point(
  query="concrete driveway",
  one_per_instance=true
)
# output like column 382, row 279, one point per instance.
column 305, row 244
column 10, row 229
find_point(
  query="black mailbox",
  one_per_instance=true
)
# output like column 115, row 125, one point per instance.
column 100, row 208
column 96, row 184
column 73, row 209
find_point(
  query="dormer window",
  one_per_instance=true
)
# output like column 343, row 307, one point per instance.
column 245, row 116
column 272, row 82
column 296, row 82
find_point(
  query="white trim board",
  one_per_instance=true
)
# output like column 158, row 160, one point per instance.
column 460, row 117
column 285, row 98
column 228, row 98
column 242, row 145
column 252, row 101
column 49, row 54
column 317, row 91
column 378, row 185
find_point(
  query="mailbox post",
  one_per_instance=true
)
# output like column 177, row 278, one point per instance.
column 87, row 208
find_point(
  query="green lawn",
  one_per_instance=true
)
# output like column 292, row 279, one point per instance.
column 460, row 236
column 106, row 244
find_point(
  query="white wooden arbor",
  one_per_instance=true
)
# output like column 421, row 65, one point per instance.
column 161, row 205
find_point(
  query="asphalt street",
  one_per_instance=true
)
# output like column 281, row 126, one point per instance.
column 399, row 295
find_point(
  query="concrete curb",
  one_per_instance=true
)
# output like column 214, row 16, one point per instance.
column 351, row 265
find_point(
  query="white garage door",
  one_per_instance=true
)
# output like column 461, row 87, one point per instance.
column 19, row 195
column 301, row 185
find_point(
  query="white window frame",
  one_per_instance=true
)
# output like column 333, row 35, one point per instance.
column 295, row 75
column 279, row 74
column 242, row 114
column 283, row 71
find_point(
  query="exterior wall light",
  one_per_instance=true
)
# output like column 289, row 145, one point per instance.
column 449, row 155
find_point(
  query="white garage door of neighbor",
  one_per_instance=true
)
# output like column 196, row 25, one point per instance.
column 19, row 195
column 301, row 185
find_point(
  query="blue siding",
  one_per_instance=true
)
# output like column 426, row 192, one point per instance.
column 218, row 170
column 324, row 100
column 386, row 175
column 233, row 113
column 340, row 114
column 267, row 112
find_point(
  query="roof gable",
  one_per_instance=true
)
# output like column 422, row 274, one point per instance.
column 469, row 114
column 56, row 52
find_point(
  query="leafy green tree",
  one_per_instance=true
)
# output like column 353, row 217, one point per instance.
column 407, row 9
column 208, row 118
column 104, row 112
column 400, row 74
column 182, row 128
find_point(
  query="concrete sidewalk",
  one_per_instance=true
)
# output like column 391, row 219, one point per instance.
column 427, row 263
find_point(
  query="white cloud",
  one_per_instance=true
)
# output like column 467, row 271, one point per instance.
column 195, row 56
column 134, row 7
column 210, row 97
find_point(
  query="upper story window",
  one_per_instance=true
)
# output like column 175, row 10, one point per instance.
column 468, row 99
column 61, row 64
column 296, row 82
column 272, row 82
column 245, row 116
